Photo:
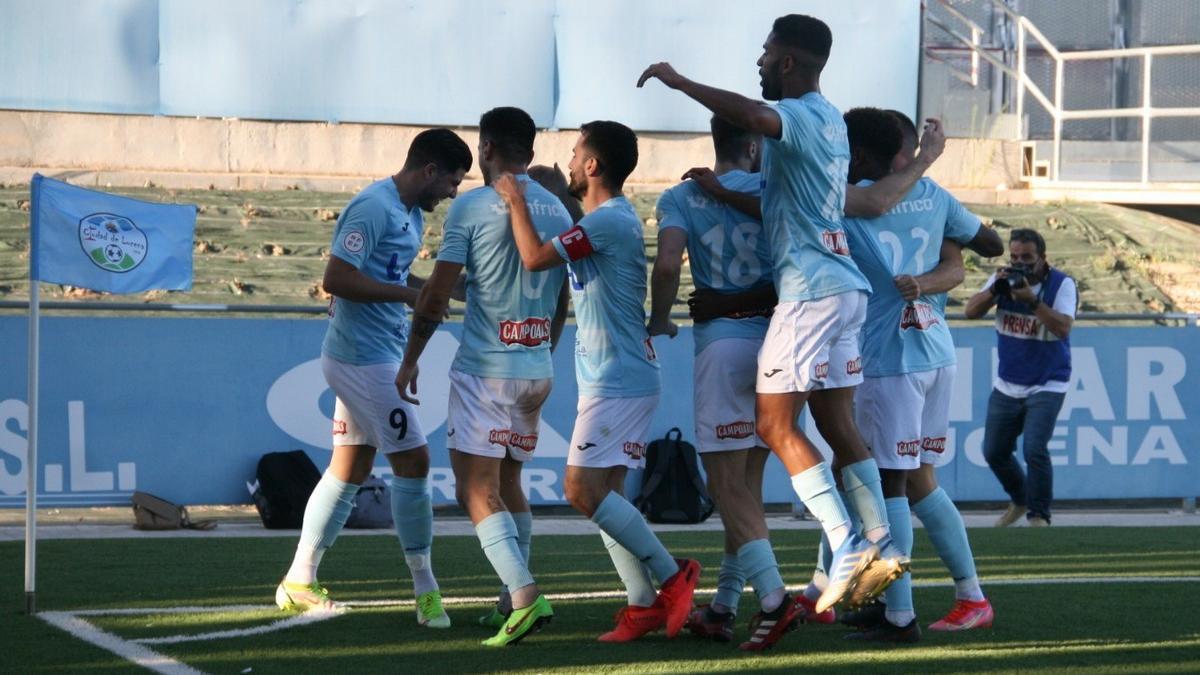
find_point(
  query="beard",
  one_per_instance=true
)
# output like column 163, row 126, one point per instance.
column 772, row 89
column 577, row 188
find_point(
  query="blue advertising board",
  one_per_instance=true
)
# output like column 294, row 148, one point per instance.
column 185, row 407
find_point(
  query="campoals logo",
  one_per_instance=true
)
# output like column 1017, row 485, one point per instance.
column 635, row 450
column 908, row 448
column 836, row 241
column 821, row 370
column 735, row 430
column 527, row 442
column 528, row 333
column 854, row 367
column 339, row 428
column 918, row 315
column 937, row 445
column 499, row 436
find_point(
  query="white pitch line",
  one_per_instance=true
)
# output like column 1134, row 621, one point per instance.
column 312, row 616
column 132, row 652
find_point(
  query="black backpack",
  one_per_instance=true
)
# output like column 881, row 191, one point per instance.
column 283, row 483
column 672, row 490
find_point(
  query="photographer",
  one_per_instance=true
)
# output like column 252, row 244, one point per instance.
column 1035, row 307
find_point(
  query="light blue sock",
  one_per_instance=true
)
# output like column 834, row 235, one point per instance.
column 730, row 582
column 524, row 521
column 899, row 594
column 498, row 538
column 855, row 521
column 633, row 573
column 762, row 570
column 328, row 507
column 946, row 530
column 816, row 489
column 865, row 491
column 624, row 523
column 412, row 511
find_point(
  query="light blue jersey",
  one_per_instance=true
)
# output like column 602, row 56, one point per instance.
column 380, row 236
column 727, row 249
column 506, row 332
column 803, row 195
column 607, row 254
column 901, row 337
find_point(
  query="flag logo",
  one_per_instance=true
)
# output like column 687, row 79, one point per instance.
column 113, row 243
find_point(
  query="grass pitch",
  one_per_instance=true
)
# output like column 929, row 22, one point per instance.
column 1084, row 619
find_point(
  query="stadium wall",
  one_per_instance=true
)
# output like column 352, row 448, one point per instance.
column 184, row 408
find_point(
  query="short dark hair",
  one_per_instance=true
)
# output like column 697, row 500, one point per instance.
column 803, row 32
column 441, row 147
column 511, row 131
column 875, row 132
column 906, row 123
column 615, row 146
column 729, row 140
column 1029, row 236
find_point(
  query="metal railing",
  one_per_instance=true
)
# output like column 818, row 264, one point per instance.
column 1055, row 108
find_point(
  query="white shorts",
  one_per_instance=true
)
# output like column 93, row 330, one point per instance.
column 904, row 418
column 369, row 410
column 611, row 431
column 723, row 390
column 813, row 345
column 494, row 417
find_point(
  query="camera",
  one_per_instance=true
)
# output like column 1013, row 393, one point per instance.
column 1018, row 277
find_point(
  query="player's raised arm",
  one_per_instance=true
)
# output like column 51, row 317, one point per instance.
column 879, row 197
column 706, row 178
column 428, row 312
column 744, row 112
column 536, row 255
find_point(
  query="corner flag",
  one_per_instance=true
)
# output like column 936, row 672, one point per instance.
column 105, row 242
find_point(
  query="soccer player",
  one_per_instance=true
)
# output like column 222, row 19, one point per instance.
column 616, row 370
column 376, row 239
column 502, row 372
column 912, row 256
column 810, row 354
column 727, row 253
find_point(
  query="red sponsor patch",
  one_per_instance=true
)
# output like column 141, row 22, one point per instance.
column 528, row 332
column 499, row 436
column 339, row 428
column 854, row 367
column 527, row 442
column 735, row 430
column 635, row 450
column 918, row 315
column 821, row 370
column 835, row 241
column 908, row 448
column 937, row 445
column 575, row 242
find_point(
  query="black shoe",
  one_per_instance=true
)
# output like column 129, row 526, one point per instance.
column 868, row 616
column 887, row 632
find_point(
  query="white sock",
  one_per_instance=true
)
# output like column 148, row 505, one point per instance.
column 771, row 601
column 968, row 589
column 422, row 573
column 304, row 565
column 901, row 617
column 876, row 535
column 837, row 535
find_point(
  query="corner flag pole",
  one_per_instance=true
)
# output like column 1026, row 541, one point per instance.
column 31, row 461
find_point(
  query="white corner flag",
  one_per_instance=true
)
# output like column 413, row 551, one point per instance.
column 107, row 243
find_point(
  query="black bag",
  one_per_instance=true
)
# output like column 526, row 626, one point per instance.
column 372, row 506
column 672, row 490
column 283, row 483
column 155, row 513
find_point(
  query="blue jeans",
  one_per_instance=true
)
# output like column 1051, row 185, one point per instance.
column 1033, row 417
